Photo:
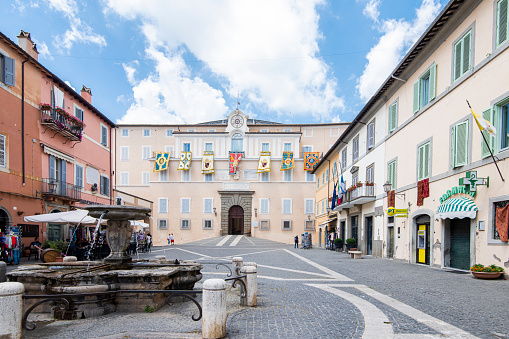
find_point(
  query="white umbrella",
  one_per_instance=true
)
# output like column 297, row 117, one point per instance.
column 72, row 217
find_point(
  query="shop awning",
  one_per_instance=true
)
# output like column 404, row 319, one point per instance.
column 322, row 225
column 457, row 208
column 72, row 217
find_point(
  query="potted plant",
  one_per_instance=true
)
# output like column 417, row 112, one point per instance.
column 486, row 272
column 351, row 188
column 350, row 243
column 367, row 183
column 359, row 184
column 56, row 250
column 339, row 244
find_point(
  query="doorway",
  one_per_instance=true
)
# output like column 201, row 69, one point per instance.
column 390, row 248
column 342, row 234
column 422, row 239
column 459, row 237
column 355, row 227
column 369, row 235
column 236, row 220
column 4, row 220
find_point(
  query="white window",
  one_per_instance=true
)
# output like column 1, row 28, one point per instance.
column 169, row 149
column 287, row 225
column 462, row 55
column 125, row 132
column 145, row 178
column 264, row 225
column 424, row 88
column 185, row 205
column 185, row 176
column 310, row 177
column 309, row 225
column 502, row 22
column 309, row 205
column 355, row 151
column 423, row 161
column 185, row 224
column 164, row 175
column 162, row 224
column 163, row 205
column 124, row 153
column 237, row 143
column 146, row 132
column 145, row 152
column 459, row 144
column 344, row 159
column 78, row 179
column 287, row 147
column 317, row 208
column 105, row 185
column 334, row 169
column 326, row 176
column 264, row 206
column 7, row 71
column 208, row 147
column 265, row 147
column 288, row 175
column 207, row 205
column 78, row 113
column 323, row 206
column 306, row 149
column 265, row 176
column 124, row 178
column 393, row 117
column 308, row 132
column 207, row 224
column 3, row 151
column 208, row 177
column 104, row 135
column 318, row 183
column 169, row 132
column 186, row 147
column 371, row 134
column 287, row 206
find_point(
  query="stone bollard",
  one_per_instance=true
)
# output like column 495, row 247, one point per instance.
column 237, row 265
column 251, row 281
column 3, row 271
column 160, row 258
column 11, row 311
column 250, row 264
column 70, row 258
column 213, row 321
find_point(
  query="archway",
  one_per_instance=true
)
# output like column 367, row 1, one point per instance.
column 54, row 231
column 4, row 220
column 236, row 220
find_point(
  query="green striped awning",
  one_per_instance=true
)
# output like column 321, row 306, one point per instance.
column 457, row 208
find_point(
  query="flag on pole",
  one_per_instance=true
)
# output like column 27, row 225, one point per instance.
column 341, row 190
column 334, row 198
column 185, row 161
column 484, row 125
column 161, row 163
column 287, row 162
column 234, row 161
column 207, row 162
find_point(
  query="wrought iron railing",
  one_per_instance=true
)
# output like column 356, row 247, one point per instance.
column 360, row 191
column 60, row 188
column 63, row 123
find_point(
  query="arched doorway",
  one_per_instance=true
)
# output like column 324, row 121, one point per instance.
column 4, row 220
column 236, row 220
column 54, row 231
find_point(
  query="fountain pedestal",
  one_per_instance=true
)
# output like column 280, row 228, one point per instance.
column 118, row 235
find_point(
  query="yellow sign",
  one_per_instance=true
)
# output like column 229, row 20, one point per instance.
column 392, row 211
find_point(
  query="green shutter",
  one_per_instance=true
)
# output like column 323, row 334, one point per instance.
column 416, row 96
column 426, row 160
column 391, row 174
column 420, row 163
column 501, row 22
column 466, row 53
column 432, row 81
column 495, row 141
column 453, row 147
column 457, row 60
column 484, row 148
column 461, row 144
column 393, row 117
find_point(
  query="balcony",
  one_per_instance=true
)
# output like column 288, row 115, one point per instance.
column 52, row 188
column 357, row 195
column 61, row 122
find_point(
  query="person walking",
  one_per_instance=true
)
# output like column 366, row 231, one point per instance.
column 169, row 239
column 172, row 239
column 296, row 241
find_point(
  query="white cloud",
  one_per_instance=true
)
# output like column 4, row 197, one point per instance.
column 69, row 84
column 43, row 50
column 67, row 7
column 371, row 10
column 264, row 49
column 398, row 36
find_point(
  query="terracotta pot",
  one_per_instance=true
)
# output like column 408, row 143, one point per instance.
column 486, row 275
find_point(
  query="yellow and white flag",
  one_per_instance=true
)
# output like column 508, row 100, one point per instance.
column 484, row 125
column 185, row 161
column 162, row 160
column 207, row 162
column 264, row 162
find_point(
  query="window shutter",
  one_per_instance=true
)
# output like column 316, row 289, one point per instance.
column 185, row 206
column 461, row 143
column 264, row 206
column 453, row 146
column 393, row 117
column 495, row 141
column 420, row 164
column 502, row 22
column 457, row 60
column 104, row 136
column 432, row 81
column 371, row 135
column 207, row 205
column 9, row 69
column 287, row 206
column 51, row 167
column 2, row 151
column 79, row 176
column 426, row 160
column 486, row 137
column 466, row 53
column 416, row 96
column 391, row 175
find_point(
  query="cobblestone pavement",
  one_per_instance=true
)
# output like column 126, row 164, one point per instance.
column 319, row 294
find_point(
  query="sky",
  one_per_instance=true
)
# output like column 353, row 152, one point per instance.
column 192, row 61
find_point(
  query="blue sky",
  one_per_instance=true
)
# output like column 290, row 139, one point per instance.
column 187, row 61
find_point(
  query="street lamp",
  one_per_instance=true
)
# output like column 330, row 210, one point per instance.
column 52, row 186
column 387, row 186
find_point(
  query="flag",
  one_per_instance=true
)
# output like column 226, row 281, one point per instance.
column 234, row 161
column 483, row 124
column 162, row 160
column 207, row 162
column 185, row 161
column 334, row 198
column 341, row 190
column 287, row 161
column 311, row 160
column 264, row 162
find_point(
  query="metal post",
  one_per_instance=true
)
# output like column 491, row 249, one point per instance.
column 214, row 309
column 11, row 312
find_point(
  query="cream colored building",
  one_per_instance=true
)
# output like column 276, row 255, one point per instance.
column 276, row 205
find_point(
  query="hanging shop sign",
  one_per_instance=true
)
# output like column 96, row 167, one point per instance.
column 391, row 211
column 471, row 181
column 456, row 190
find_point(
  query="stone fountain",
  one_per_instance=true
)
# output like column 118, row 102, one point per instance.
column 116, row 272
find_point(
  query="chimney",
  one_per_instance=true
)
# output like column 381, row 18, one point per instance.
column 86, row 94
column 26, row 43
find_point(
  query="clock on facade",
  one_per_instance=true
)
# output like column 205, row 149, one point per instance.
column 237, row 121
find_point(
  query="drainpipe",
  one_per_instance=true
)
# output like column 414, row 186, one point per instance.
column 111, row 177
column 23, row 118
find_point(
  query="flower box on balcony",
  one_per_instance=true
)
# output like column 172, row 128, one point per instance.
column 369, row 183
column 359, row 184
